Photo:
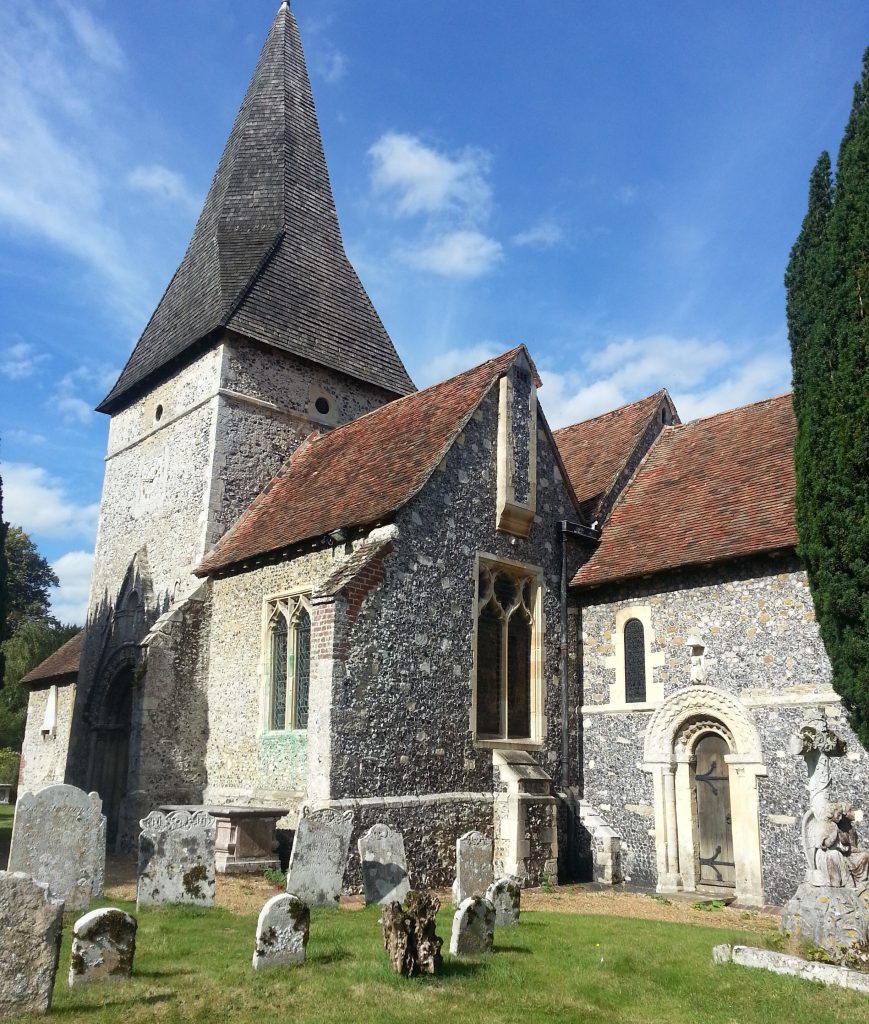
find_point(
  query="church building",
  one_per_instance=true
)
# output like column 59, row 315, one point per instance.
column 316, row 586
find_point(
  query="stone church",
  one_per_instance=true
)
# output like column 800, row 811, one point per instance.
column 316, row 585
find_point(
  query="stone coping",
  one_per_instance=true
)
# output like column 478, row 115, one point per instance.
column 786, row 963
column 229, row 810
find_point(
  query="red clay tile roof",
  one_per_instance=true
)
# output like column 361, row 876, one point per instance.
column 361, row 472
column 597, row 450
column 709, row 490
column 64, row 662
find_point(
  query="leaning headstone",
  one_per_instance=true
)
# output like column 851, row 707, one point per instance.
column 31, row 923
column 473, row 927
column 384, row 867
column 176, row 859
column 473, row 866
column 103, row 946
column 505, row 895
column 59, row 839
column 319, row 856
column 409, row 936
column 281, row 932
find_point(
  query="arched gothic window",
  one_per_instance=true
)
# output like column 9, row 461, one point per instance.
column 289, row 663
column 635, row 662
column 505, row 664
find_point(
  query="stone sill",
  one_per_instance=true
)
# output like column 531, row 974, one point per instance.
column 785, row 963
column 617, row 709
column 498, row 744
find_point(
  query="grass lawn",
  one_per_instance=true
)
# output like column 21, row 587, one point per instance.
column 195, row 965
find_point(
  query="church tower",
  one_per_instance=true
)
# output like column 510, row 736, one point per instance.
column 263, row 335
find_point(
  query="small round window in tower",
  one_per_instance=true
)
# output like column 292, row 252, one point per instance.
column 158, row 413
column 322, row 405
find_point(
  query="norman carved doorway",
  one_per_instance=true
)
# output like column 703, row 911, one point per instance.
column 714, row 819
column 111, row 750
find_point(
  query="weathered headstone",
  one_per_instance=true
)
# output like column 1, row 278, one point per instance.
column 103, row 947
column 384, row 867
column 281, row 932
column 31, row 923
column 409, row 936
column 473, row 927
column 176, row 858
column 319, row 856
column 505, row 895
column 59, row 838
column 473, row 866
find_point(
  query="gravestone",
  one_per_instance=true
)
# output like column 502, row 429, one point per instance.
column 103, row 946
column 31, row 923
column 319, row 856
column 59, row 838
column 473, row 927
column 505, row 895
column 409, row 936
column 176, row 859
column 384, row 867
column 281, row 932
column 473, row 866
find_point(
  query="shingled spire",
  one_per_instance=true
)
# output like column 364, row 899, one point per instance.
column 266, row 259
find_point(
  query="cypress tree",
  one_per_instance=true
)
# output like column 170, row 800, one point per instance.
column 827, row 283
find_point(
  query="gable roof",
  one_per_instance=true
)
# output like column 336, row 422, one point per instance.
column 708, row 491
column 362, row 472
column 266, row 258
column 597, row 451
column 64, row 662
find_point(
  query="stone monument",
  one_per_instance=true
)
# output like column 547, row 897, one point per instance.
column 505, row 895
column 831, row 906
column 281, row 932
column 409, row 936
column 384, row 867
column 473, row 927
column 474, row 872
column 103, row 947
column 319, row 856
column 176, row 859
column 31, row 924
column 59, row 838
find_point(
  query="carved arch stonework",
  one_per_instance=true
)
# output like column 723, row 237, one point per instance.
column 672, row 734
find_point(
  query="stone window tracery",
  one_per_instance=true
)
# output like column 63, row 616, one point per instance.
column 289, row 662
column 506, row 671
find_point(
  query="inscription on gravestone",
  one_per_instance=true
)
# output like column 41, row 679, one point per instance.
column 59, row 838
column 473, row 866
column 319, row 856
column 384, row 866
column 176, row 858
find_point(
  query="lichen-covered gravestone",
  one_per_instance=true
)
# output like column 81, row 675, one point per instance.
column 473, row 927
column 176, row 858
column 103, row 947
column 474, row 872
column 384, row 866
column 409, row 936
column 319, row 856
column 59, row 839
column 505, row 895
column 31, row 923
column 282, row 932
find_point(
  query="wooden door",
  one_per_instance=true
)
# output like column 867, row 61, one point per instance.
column 712, row 788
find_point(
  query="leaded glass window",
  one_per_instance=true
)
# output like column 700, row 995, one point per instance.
column 505, row 652
column 635, row 662
column 289, row 663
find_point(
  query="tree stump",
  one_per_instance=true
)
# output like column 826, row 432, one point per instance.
column 409, row 936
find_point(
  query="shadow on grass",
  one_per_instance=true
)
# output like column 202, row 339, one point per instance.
column 334, row 956
column 158, row 973
column 505, row 947
column 152, row 1000
column 460, row 968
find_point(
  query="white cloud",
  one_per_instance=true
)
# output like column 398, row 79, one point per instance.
column 332, row 66
column 703, row 376
column 96, row 40
column 466, row 253
column 543, row 235
column 25, row 437
column 69, row 601
column 454, row 360
column 20, row 360
column 422, row 180
column 78, row 391
column 163, row 183
column 40, row 504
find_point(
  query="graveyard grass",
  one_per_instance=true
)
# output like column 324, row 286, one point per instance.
column 195, row 965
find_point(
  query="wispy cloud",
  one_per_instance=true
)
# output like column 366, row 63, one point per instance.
column 545, row 234
column 457, row 254
column 78, row 391
column 451, row 361
column 627, row 194
column 69, row 601
column 165, row 184
column 25, row 437
column 96, row 40
column 332, row 66
column 40, row 504
column 20, row 360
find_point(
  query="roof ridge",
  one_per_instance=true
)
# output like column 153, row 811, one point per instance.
column 736, row 408
column 611, row 412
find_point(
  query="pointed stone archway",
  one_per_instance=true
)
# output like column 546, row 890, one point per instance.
column 670, row 753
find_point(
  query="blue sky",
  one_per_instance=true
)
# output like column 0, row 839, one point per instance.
column 616, row 185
